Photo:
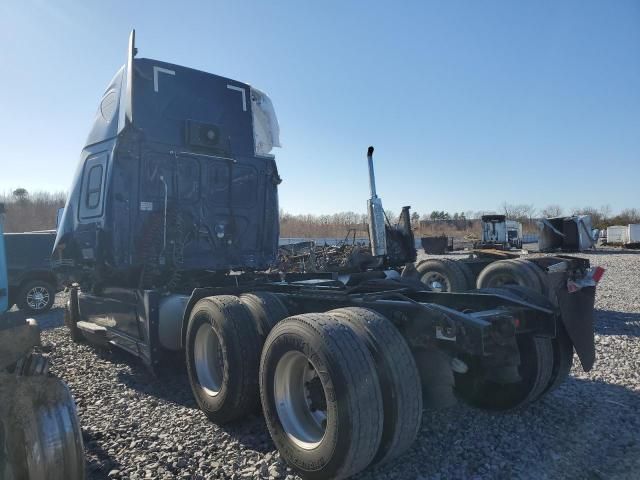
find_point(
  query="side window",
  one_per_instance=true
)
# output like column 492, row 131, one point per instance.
column 93, row 186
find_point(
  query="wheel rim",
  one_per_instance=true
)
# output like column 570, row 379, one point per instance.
column 207, row 353
column 300, row 400
column 37, row 298
column 436, row 282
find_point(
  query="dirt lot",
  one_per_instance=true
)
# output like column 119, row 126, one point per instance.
column 136, row 425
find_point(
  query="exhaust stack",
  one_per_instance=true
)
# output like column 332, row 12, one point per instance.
column 377, row 231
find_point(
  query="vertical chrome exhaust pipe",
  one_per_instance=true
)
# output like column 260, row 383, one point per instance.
column 377, row 232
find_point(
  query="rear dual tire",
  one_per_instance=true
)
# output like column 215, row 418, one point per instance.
column 224, row 339
column 321, row 396
column 223, row 354
column 339, row 390
column 513, row 272
column 371, row 392
column 398, row 375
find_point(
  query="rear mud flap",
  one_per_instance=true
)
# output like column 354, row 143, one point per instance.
column 577, row 315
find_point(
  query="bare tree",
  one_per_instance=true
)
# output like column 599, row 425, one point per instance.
column 594, row 213
column 391, row 216
column 528, row 212
column 628, row 215
column 521, row 212
column 507, row 209
column 552, row 211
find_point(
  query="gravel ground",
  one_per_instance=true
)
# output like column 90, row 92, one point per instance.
column 136, row 425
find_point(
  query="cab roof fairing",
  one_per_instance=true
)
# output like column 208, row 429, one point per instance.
column 137, row 77
column 105, row 123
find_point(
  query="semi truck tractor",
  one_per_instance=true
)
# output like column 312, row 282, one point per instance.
column 166, row 239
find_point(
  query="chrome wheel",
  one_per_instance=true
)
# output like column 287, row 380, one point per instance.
column 208, row 359
column 37, row 298
column 300, row 400
column 436, row 282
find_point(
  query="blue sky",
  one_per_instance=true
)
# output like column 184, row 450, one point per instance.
column 469, row 104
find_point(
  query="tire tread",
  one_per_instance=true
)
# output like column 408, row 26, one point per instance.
column 352, row 362
column 402, row 393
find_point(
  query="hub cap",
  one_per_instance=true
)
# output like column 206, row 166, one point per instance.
column 37, row 298
column 208, row 360
column 436, row 282
column 300, row 400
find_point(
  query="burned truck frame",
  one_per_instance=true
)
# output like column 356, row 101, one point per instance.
column 172, row 220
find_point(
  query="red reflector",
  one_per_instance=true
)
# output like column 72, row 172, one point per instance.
column 516, row 322
column 597, row 274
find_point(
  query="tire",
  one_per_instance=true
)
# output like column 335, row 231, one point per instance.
column 538, row 272
column 42, row 432
column 398, row 376
column 509, row 272
column 223, row 355
column 536, row 368
column 436, row 376
column 562, row 359
column 32, row 364
column 442, row 275
column 468, row 274
column 72, row 316
column 328, row 426
column 561, row 344
column 36, row 296
column 266, row 309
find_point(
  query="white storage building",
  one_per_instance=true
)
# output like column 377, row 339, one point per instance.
column 616, row 234
column 633, row 233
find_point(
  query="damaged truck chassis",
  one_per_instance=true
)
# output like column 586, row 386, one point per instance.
column 170, row 223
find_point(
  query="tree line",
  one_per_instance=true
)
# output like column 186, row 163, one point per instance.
column 28, row 212
column 37, row 211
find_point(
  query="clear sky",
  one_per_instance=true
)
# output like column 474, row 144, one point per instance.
column 468, row 103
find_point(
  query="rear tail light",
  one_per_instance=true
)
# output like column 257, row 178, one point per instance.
column 597, row 274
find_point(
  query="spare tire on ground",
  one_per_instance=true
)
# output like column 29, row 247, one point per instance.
column 41, row 436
